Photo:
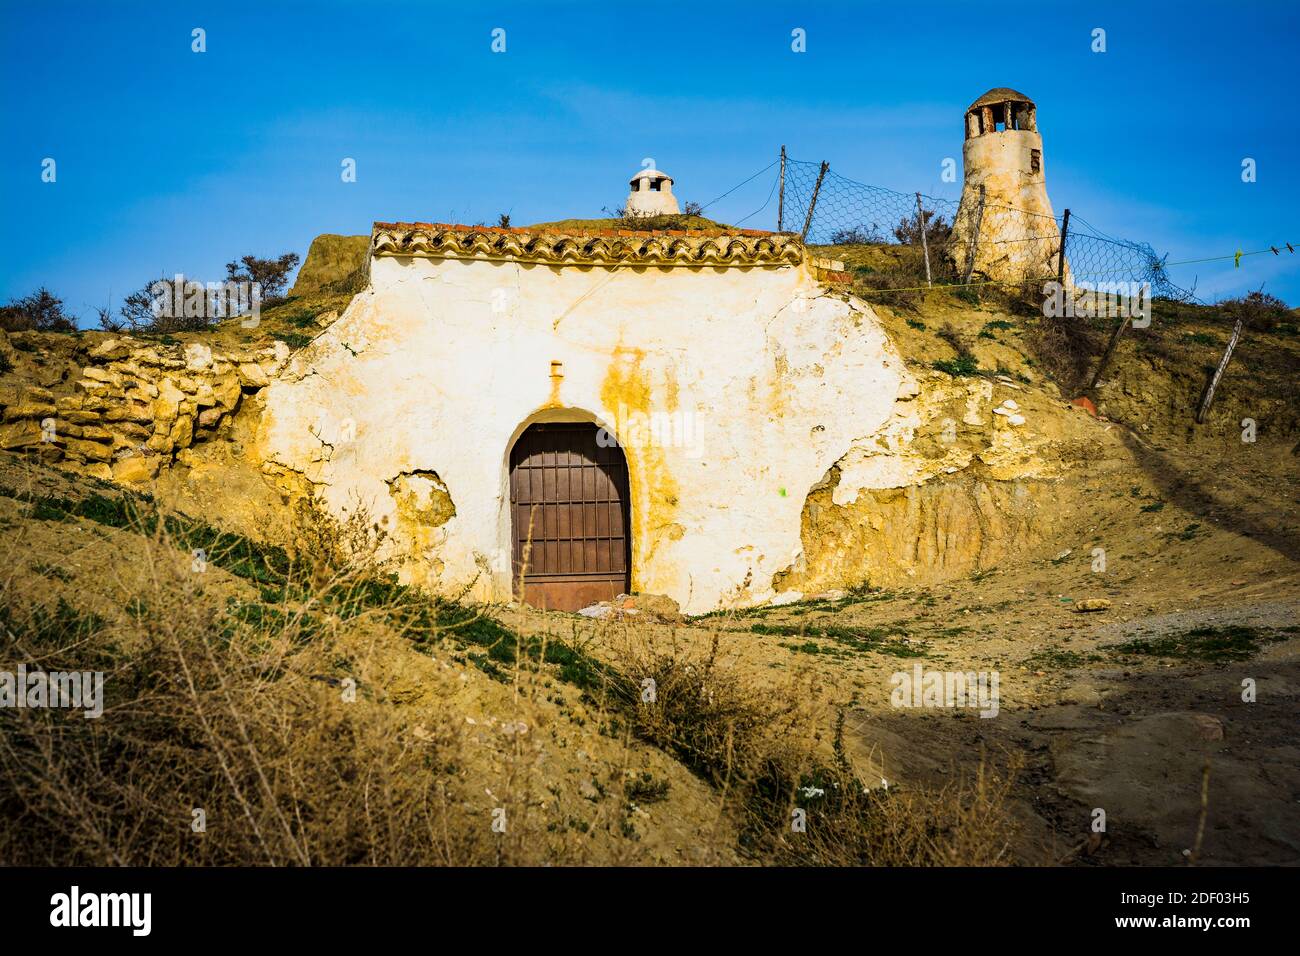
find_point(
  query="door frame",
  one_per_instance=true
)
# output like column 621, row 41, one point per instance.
column 506, row 532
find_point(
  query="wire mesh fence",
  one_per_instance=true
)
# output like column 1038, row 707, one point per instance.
column 963, row 241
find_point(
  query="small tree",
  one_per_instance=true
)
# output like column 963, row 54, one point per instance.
column 138, row 313
column 937, row 230
column 160, row 307
column 1259, row 311
column 856, row 236
column 42, row 311
column 271, row 274
column 107, row 322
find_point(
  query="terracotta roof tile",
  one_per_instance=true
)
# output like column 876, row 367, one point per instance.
column 560, row 246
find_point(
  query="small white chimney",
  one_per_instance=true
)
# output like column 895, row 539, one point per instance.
column 651, row 195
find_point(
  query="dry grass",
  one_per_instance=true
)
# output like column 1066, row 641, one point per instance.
column 247, row 723
column 783, row 773
column 273, row 717
column 336, row 550
column 276, row 713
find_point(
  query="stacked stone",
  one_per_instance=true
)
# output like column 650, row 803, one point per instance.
column 136, row 405
column 23, row 408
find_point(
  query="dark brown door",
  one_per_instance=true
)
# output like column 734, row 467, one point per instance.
column 569, row 509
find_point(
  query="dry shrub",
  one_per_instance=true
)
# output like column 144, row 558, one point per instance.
column 938, row 231
column 964, row 823
column 42, row 311
column 1067, row 347
column 331, row 548
column 702, row 711
column 1259, row 311
column 897, row 279
column 1019, row 298
column 764, row 746
column 272, row 717
column 249, row 728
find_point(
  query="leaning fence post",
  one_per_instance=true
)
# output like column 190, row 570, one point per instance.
column 925, row 245
column 1218, row 374
column 1060, row 256
column 807, row 223
column 974, row 238
column 780, row 209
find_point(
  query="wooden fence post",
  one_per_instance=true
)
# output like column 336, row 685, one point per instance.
column 780, row 209
column 925, row 244
column 974, row 239
column 1218, row 374
column 1060, row 256
column 807, row 223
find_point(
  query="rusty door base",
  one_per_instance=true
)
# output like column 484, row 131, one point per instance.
column 568, row 594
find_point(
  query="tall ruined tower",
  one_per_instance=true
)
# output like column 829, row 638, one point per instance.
column 1018, row 234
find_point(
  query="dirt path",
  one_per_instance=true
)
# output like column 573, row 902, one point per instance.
column 1121, row 710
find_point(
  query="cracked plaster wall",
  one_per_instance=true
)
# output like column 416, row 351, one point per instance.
column 762, row 379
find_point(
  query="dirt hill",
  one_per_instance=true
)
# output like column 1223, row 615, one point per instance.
column 320, row 712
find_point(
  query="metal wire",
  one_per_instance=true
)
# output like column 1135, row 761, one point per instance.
column 850, row 212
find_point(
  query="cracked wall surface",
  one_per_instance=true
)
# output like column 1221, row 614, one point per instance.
column 968, row 473
column 732, row 391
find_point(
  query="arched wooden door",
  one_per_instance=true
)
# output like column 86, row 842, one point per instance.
column 569, row 517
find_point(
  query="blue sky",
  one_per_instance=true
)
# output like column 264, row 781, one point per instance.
column 173, row 161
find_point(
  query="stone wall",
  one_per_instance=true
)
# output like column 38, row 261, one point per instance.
column 136, row 405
